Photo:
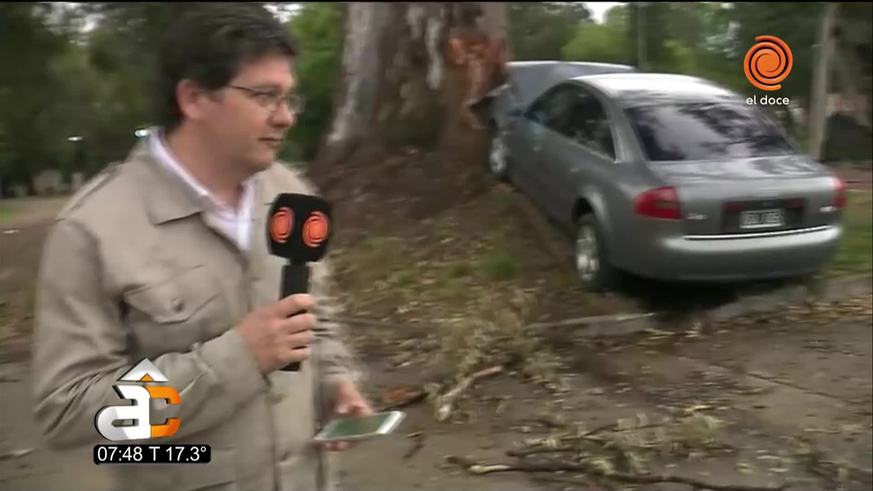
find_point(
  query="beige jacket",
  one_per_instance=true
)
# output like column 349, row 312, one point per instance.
column 130, row 271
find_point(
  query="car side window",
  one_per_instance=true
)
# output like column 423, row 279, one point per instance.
column 587, row 123
column 550, row 110
column 537, row 111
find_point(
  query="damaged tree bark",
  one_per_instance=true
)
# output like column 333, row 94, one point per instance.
column 398, row 87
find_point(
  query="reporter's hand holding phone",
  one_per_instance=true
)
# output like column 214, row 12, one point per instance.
column 278, row 334
column 349, row 403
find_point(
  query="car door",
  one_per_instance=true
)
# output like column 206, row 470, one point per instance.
column 580, row 151
column 524, row 133
column 534, row 128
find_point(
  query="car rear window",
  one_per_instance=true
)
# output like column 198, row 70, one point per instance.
column 705, row 131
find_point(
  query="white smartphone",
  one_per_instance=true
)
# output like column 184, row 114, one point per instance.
column 358, row 428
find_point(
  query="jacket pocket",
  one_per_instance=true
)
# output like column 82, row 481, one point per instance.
column 177, row 298
column 175, row 313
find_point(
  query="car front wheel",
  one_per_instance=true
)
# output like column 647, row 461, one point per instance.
column 497, row 155
column 592, row 265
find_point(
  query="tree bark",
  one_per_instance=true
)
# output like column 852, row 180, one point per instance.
column 399, row 88
column 850, row 77
column 823, row 53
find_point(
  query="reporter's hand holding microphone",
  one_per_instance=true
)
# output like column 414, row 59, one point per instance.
column 278, row 334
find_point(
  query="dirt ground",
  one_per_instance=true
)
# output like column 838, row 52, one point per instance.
column 791, row 396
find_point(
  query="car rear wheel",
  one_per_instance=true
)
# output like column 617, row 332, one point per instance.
column 592, row 265
column 497, row 155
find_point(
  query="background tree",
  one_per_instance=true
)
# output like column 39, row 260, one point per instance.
column 605, row 43
column 540, row 30
column 317, row 28
column 31, row 138
column 376, row 73
column 397, row 88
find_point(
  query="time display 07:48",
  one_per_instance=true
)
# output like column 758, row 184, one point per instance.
column 152, row 454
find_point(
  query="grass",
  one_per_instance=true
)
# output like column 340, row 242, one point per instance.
column 440, row 267
column 5, row 213
column 854, row 256
column 500, row 266
column 435, row 267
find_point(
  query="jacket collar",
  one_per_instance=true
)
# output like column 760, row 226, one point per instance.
column 166, row 196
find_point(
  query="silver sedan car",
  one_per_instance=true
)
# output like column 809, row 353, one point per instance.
column 668, row 177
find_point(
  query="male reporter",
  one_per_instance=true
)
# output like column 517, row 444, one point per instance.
column 164, row 257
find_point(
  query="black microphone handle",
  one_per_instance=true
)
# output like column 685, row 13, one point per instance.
column 295, row 279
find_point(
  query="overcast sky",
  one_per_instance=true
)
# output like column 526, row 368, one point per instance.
column 598, row 9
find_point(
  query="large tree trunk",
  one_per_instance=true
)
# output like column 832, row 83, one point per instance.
column 849, row 69
column 823, row 54
column 399, row 88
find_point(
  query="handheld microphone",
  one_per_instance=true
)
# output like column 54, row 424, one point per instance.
column 299, row 230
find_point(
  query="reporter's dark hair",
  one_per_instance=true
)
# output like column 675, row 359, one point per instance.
column 209, row 43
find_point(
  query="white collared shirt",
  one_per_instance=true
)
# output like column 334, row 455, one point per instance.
column 235, row 224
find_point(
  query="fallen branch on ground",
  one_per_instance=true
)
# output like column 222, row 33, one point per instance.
column 418, row 437
column 551, row 421
column 369, row 322
column 817, row 462
column 613, row 428
column 535, row 450
column 445, row 402
column 588, row 435
column 479, row 469
column 576, row 321
column 418, row 396
column 588, row 485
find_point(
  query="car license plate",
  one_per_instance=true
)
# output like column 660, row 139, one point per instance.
column 761, row 219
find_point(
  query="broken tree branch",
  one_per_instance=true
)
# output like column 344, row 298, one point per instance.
column 615, row 429
column 418, row 438
column 418, row 397
column 479, row 469
column 445, row 402
column 365, row 322
column 576, row 321
column 588, row 484
column 531, row 451
column 589, row 436
column 597, row 319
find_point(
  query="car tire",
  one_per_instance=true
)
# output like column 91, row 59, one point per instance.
column 497, row 160
column 592, row 268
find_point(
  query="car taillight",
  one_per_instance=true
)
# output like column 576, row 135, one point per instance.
column 658, row 203
column 839, row 193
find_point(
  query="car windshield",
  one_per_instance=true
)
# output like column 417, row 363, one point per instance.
column 705, row 131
